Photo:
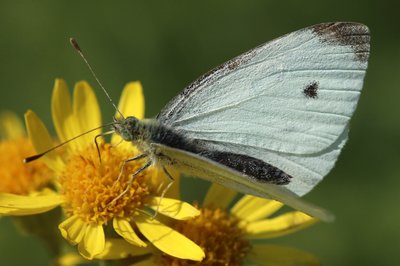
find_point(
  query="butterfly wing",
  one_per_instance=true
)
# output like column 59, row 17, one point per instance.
column 192, row 164
column 287, row 102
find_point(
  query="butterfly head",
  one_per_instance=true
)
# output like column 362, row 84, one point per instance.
column 128, row 128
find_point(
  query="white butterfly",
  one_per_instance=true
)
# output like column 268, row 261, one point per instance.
column 270, row 122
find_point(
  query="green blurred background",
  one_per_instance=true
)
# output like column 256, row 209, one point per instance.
column 168, row 44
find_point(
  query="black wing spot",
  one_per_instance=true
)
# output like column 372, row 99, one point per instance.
column 311, row 90
column 355, row 35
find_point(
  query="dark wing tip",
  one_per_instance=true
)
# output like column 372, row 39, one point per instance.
column 341, row 28
column 352, row 34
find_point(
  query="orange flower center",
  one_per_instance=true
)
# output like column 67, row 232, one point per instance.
column 218, row 234
column 17, row 177
column 91, row 188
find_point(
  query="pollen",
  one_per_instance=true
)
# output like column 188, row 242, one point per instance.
column 218, row 234
column 93, row 190
column 17, row 177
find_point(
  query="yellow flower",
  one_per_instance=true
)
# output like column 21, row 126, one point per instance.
column 227, row 236
column 15, row 176
column 91, row 192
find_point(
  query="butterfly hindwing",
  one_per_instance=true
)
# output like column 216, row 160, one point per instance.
column 192, row 164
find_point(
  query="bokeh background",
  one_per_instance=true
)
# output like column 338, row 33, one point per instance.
column 166, row 45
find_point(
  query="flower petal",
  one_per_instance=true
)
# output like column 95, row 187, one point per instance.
column 219, row 196
column 168, row 240
column 173, row 208
column 42, row 141
column 17, row 205
column 73, row 229
column 124, row 229
column 131, row 103
column 93, row 242
column 61, row 109
column 117, row 248
column 250, row 208
column 269, row 255
column 73, row 129
column 282, row 225
column 87, row 112
column 11, row 126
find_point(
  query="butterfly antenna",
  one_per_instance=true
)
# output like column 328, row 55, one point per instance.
column 75, row 45
column 37, row 156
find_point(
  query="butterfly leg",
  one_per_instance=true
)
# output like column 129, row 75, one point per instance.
column 172, row 180
column 132, row 177
column 141, row 156
column 97, row 143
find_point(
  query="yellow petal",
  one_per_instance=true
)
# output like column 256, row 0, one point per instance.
column 73, row 229
column 93, row 242
column 269, row 255
column 173, row 208
column 117, row 248
column 11, row 126
column 124, row 229
column 282, row 225
column 131, row 103
column 168, row 240
column 61, row 109
column 250, row 208
column 17, row 205
column 42, row 141
column 87, row 112
column 73, row 129
column 219, row 196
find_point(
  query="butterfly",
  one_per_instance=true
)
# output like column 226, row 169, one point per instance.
column 270, row 122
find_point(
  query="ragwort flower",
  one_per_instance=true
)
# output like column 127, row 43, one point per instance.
column 92, row 191
column 24, row 186
column 227, row 236
column 15, row 176
column 21, row 184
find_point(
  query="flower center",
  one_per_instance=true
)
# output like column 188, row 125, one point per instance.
column 90, row 187
column 17, row 177
column 218, row 234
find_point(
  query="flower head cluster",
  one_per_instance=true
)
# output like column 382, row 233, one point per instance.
column 93, row 193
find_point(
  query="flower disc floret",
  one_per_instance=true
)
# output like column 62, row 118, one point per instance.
column 90, row 186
